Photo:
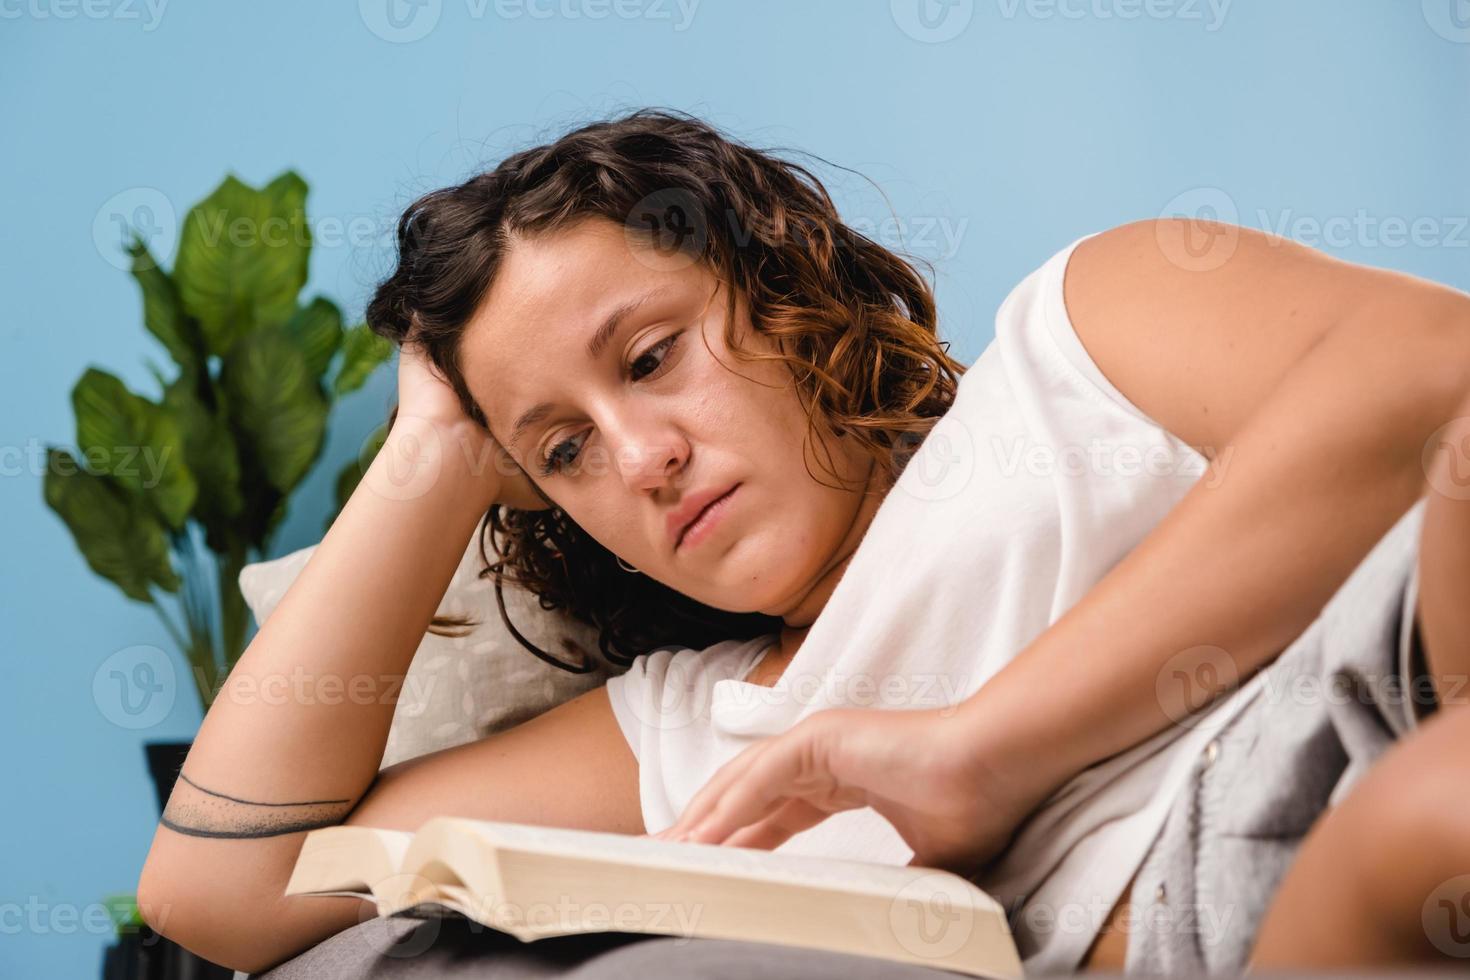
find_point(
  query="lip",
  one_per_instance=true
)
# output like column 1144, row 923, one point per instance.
column 691, row 510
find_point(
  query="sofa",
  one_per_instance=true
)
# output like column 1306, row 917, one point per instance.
column 452, row 949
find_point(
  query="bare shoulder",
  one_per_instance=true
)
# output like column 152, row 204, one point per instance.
column 1197, row 321
column 568, row 767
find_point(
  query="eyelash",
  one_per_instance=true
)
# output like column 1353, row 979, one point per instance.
column 549, row 463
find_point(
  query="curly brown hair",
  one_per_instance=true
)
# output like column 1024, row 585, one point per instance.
column 855, row 323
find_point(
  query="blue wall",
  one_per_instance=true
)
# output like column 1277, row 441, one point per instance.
column 1036, row 122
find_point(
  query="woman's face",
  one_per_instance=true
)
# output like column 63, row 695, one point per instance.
column 659, row 417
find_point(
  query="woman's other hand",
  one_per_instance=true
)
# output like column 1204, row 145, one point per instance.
column 424, row 393
column 921, row 769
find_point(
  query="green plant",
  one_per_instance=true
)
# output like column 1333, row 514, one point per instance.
column 230, row 436
column 123, row 912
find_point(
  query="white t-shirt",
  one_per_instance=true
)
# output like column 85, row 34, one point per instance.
column 1036, row 482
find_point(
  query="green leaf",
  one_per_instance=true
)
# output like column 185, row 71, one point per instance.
column 124, row 913
column 351, row 474
column 317, row 330
column 362, row 352
column 211, row 452
column 277, row 515
column 277, row 403
column 243, row 257
column 163, row 312
column 134, row 441
column 122, row 540
column 287, row 193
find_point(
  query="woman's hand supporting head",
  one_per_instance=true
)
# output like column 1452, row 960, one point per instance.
column 423, row 394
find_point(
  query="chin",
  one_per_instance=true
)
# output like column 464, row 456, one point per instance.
column 755, row 577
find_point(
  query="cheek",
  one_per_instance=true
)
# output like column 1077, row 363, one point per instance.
column 600, row 518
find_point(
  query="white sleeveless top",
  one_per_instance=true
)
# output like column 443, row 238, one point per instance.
column 1039, row 479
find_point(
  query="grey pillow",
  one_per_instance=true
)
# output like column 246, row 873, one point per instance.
column 454, row 949
column 458, row 689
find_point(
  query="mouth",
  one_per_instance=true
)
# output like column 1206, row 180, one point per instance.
column 705, row 522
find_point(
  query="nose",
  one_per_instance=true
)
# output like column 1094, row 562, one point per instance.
column 648, row 452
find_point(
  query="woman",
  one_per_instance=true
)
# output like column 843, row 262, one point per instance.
column 607, row 333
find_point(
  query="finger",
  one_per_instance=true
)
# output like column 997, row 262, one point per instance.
column 801, row 745
column 790, row 819
column 708, row 795
column 780, row 771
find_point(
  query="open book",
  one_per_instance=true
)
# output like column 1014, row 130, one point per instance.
column 533, row 882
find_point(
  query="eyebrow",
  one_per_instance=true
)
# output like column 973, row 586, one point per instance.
column 596, row 345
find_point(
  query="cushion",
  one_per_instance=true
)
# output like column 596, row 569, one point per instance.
column 456, row 949
column 459, row 689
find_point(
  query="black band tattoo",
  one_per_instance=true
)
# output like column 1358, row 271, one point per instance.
column 197, row 811
column 236, row 799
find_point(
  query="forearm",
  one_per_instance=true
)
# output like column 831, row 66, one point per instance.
column 295, row 736
column 1443, row 612
column 1245, row 561
column 307, row 708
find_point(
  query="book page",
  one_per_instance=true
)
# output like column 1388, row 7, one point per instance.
column 532, row 881
column 742, row 862
column 347, row 860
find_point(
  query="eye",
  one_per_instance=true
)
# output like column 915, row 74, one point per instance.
column 551, row 462
column 554, row 461
column 666, row 345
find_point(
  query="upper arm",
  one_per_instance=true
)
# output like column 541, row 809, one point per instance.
column 1196, row 322
column 568, row 767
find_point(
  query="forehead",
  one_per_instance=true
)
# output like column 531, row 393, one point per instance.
column 559, row 274
column 527, row 341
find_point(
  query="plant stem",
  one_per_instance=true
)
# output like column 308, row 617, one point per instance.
column 194, row 600
column 233, row 614
column 173, row 631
